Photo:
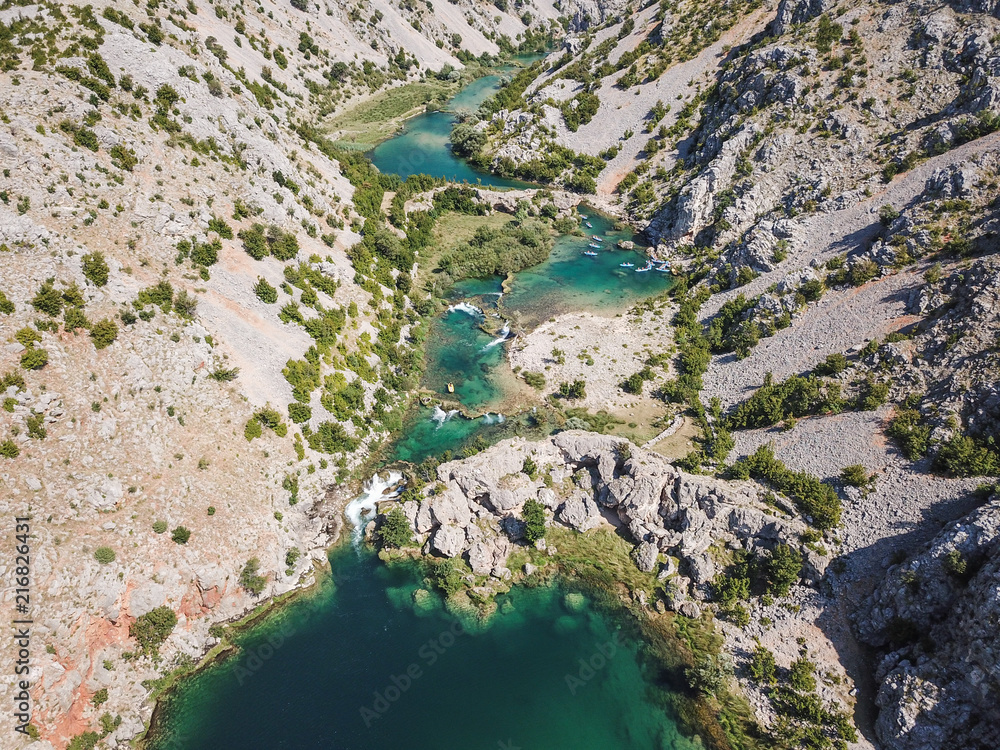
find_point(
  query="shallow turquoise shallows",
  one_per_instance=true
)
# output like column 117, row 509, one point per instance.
column 360, row 667
column 423, row 147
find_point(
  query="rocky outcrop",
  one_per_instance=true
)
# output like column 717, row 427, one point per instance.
column 588, row 480
column 934, row 618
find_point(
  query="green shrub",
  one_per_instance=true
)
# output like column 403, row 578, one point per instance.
column 834, row 364
column 299, row 412
column 910, row 433
column 535, row 379
column 95, row 268
column 152, row 629
column 395, row 530
column 250, row 580
column 6, row 306
column 252, row 429
column 801, row 676
column 781, row 569
column 48, row 300
column 811, row 496
column 180, row 535
column 772, row 403
column 104, row 555
column 220, row 227
column 863, row 271
column 9, row 449
column 573, row 391
column 530, row 468
column 100, row 697
column 34, row 359
column 954, row 564
column 104, row 333
column 265, row 292
column 763, row 668
column 534, row 520
column 964, row 456
column 159, row 526
column 855, row 475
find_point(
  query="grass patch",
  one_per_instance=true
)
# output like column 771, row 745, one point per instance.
column 378, row 118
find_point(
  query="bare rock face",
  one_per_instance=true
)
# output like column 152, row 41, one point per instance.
column 593, row 479
column 448, row 540
column 935, row 617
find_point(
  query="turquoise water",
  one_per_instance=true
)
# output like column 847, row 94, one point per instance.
column 423, row 147
column 460, row 352
column 360, row 667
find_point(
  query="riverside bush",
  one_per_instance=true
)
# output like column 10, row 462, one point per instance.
column 395, row 530
column 497, row 252
column 814, row 498
column 250, row 580
column 534, row 520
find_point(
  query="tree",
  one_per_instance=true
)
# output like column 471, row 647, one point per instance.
column 34, row 359
column 249, row 579
column 395, row 530
column 763, row 668
column 534, row 520
column 781, row 569
column 265, row 292
column 572, row 391
column 104, row 333
column 152, row 629
column 95, row 268
column 181, row 535
column 47, row 299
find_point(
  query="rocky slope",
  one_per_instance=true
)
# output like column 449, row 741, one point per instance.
column 173, row 261
column 933, row 619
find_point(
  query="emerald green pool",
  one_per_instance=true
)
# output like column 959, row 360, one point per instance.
column 422, row 147
column 370, row 664
column 460, row 352
column 373, row 661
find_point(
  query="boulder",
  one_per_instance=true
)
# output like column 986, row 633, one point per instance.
column 448, row 540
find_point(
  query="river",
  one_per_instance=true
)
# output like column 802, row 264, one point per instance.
column 372, row 659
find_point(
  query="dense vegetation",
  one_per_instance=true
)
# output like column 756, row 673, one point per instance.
column 815, row 499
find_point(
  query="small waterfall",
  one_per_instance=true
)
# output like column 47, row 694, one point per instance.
column 504, row 333
column 466, row 308
column 361, row 509
column 441, row 416
column 493, row 418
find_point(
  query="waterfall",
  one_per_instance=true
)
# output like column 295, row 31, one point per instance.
column 441, row 416
column 466, row 308
column 493, row 418
column 361, row 509
column 504, row 333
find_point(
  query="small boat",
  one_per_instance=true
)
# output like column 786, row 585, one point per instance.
column 663, row 269
column 590, row 253
column 451, row 387
column 647, row 267
column 594, row 245
column 595, row 238
column 589, row 225
column 626, row 265
column 584, row 217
